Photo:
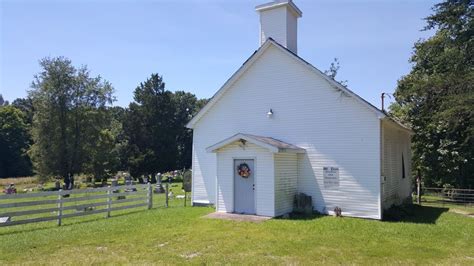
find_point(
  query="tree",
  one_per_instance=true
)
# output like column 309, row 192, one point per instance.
column 187, row 105
column 154, row 125
column 117, row 116
column 437, row 97
column 150, row 128
column 68, row 119
column 105, row 158
column 333, row 70
column 2, row 101
column 26, row 106
column 14, row 142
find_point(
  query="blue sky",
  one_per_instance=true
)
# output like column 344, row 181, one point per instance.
column 197, row 45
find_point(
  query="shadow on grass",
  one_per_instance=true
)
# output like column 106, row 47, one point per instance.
column 301, row 217
column 406, row 213
column 414, row 214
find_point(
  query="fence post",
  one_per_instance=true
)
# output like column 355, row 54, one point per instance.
column 149, row 196
column 109, row 201
column 60, row 206
column 418, row 190
column 167, row 192
column 185, row 198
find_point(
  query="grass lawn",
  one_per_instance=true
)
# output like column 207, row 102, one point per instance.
column 179, row 235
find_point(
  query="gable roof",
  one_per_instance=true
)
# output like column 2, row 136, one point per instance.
column 251, row 60
column 271, row 144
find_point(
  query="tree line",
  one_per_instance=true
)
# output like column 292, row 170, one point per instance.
column 437, row 98
column 67, row 125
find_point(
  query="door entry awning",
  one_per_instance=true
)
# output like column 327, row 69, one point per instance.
column 271, row 144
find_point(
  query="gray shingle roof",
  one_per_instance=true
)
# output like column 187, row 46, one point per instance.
column 270, row 143
column 274, row 142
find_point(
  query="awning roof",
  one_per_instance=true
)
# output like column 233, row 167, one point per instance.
column 273, row 145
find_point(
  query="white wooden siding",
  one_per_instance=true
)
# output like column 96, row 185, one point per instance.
column 263, row 175
column 336, row 130
column 281, row 25
column 292, row 32
column 395, row 143
column 286, row 176
column 273, row 24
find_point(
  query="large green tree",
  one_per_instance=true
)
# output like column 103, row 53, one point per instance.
column 186, row 106
column 437, row 97
column 69, row 118
column 154, row 125
column 150, row 127
column 14, row 142
column 105, row 156
column 26, row 106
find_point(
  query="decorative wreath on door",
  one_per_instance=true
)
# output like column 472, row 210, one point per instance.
column 244, row 170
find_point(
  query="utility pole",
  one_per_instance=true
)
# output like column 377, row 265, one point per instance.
column 383, row 98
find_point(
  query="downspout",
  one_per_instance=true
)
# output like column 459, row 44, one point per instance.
column 216, row 197
column 192, row 173
column 382, row 177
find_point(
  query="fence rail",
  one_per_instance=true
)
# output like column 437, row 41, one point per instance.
column 135, row 195
column 447, row 196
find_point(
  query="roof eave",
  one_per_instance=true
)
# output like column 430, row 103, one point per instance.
column 236, row 137
column 399, row 125
column 292, row 150
column 333, row 82
column 255, row 141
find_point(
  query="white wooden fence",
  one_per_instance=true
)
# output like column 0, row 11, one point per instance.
column 66, row 205
column 447, row 196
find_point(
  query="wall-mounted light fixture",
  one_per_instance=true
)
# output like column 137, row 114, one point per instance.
column 270, row 113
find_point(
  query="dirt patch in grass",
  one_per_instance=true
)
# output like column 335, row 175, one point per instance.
column 467, row 213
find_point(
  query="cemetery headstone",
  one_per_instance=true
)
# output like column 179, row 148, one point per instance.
column 115, row 184
column 128, row 180
column 159, row 185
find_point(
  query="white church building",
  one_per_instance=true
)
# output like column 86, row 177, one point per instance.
column 279, row 127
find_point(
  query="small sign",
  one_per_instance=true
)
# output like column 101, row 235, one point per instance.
column 331, row 177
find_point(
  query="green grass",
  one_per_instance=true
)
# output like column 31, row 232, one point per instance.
column 434, row 200
column 179, row 235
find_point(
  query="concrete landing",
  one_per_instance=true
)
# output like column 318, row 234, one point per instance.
column 237, row 217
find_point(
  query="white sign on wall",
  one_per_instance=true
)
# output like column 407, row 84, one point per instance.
column 331, row 177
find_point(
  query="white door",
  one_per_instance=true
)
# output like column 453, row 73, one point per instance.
column 244, row 186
